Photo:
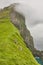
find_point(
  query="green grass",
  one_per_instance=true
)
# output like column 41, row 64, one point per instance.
column 13, row 50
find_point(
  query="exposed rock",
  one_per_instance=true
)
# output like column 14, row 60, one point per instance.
column 41, row 55
column 19, row 21
column 38, row 53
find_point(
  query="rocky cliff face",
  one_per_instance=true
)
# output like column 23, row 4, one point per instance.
column 38, row 53
column 19, row 21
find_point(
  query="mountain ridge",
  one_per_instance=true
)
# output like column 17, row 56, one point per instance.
column 13, row 50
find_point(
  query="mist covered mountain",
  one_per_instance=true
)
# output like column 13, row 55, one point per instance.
column 13, row 50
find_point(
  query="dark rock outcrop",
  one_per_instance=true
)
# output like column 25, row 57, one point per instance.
column 38, row 53
column 41, row 55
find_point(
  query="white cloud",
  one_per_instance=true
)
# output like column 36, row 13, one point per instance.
column 38, row 43
column 37, row 33
column 4, row 3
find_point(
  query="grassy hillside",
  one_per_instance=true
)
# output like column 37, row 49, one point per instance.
column 13, row 50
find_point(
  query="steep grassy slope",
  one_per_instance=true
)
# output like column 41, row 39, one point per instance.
column 19, row 21
column 13, row 50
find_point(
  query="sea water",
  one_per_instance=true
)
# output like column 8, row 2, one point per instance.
column 39, row 60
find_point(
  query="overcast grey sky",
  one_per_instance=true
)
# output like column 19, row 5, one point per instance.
column 33, row 11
